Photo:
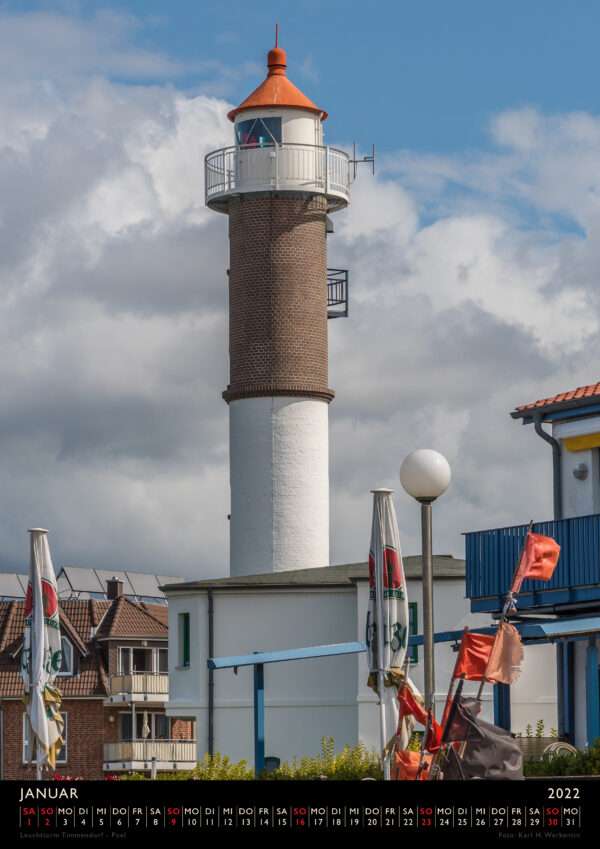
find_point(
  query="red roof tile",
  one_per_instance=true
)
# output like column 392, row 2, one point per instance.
column 582, row 392
column 125, row 618
column 82, row 621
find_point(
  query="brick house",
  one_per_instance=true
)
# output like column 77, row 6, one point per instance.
column 114, row 684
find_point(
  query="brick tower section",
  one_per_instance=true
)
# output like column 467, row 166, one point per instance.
column 278, row 297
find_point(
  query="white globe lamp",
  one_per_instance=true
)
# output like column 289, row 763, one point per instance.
column 425, row 474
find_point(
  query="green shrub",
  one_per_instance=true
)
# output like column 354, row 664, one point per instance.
column 351, row 764
column 582, row 762
column 215, row 768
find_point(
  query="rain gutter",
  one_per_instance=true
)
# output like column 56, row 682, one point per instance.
column 556, row 468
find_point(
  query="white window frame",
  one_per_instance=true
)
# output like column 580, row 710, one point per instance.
column 27, row 729
column 154, row 670
column 70, row 671
column 156, row 660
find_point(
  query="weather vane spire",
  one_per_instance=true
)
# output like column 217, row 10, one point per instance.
column 276, row 35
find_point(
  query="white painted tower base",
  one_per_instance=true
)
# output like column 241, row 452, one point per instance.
column 279, row 477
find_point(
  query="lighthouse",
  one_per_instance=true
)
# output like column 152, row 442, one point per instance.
column 278, row 183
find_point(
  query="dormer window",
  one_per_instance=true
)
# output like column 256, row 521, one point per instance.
column 67, row 666
column 259, row 132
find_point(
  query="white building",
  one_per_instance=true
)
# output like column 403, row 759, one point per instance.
column 309, row 699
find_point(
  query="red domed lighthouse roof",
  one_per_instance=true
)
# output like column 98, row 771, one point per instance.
column 277, row 90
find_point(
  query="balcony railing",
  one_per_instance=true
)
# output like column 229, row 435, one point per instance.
column 140, row 685
column 278, row 167
column 337, row 293
column 167, row 752
column 492, row 556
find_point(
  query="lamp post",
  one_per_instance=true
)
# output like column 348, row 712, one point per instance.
column 425, row 474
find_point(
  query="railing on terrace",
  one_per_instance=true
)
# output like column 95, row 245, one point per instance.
column 492, row 556
column 171, row 751
column 140, row 682
column 286, row 166
column 337, row 293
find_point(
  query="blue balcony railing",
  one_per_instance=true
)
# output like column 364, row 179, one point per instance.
column 492, row 556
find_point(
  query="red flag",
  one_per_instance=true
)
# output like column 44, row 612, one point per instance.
column 473, row 656
column 406, row 766
column 433, row 741
column 506, row 656
column 410, row 706
column 538, row 561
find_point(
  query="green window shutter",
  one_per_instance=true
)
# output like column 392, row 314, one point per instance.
column 184, row 639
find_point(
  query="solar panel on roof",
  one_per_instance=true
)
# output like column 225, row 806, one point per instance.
column 169, row 579
column 10, row 586
column 105, row 575
column 143, row 584
column 82, row 579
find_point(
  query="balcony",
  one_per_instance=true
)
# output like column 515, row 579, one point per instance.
column 492, row 556
column 138, row 687
column 337, row 293
column 313, row 169
column 138, row 754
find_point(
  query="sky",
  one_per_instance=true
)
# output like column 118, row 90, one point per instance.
column 473, row 255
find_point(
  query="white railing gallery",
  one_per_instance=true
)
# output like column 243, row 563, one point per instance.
column 287, row 166
column 172, row 751
column 140, row 682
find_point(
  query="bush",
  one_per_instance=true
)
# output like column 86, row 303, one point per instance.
column 215, row 768
column 351, row 764
column 583, row 762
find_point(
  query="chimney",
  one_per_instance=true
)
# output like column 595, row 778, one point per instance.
column 114, row 588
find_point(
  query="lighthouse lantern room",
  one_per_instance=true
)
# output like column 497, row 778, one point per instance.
column 277, row 184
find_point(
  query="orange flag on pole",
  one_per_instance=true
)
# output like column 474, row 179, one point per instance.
column 473, row 656
column 506, row 656
column 538, row 561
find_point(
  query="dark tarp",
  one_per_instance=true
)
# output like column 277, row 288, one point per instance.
column 489, row 752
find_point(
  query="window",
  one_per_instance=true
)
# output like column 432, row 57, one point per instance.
column 184, row 639
column 259, row 132
column 134, row 659
column 413, row 628
column 29, row 753
column 162, row 660
column 66, row 647
column 148, row 726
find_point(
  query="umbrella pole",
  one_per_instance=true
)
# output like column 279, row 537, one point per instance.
column 380, row 636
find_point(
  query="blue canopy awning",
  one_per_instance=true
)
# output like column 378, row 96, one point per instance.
column 530, row 631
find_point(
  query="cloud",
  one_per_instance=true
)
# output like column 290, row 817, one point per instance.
column 472, row 290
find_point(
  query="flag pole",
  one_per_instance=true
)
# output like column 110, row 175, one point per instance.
column 508, row 601
column 435, row 767
column 35, row 686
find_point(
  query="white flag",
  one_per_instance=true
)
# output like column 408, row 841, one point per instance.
column 41, row 658
column 385, row 561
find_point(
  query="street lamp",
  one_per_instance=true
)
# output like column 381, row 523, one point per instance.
column 425, row 474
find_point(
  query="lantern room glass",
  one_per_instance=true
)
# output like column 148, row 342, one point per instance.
column 259, row 132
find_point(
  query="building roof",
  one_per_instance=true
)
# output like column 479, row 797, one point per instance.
column 444, row 566
column 84, row 622
column 125, row 618
column 277, row 90
column 83, row 582
column 76, row 619
column 563, row 401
